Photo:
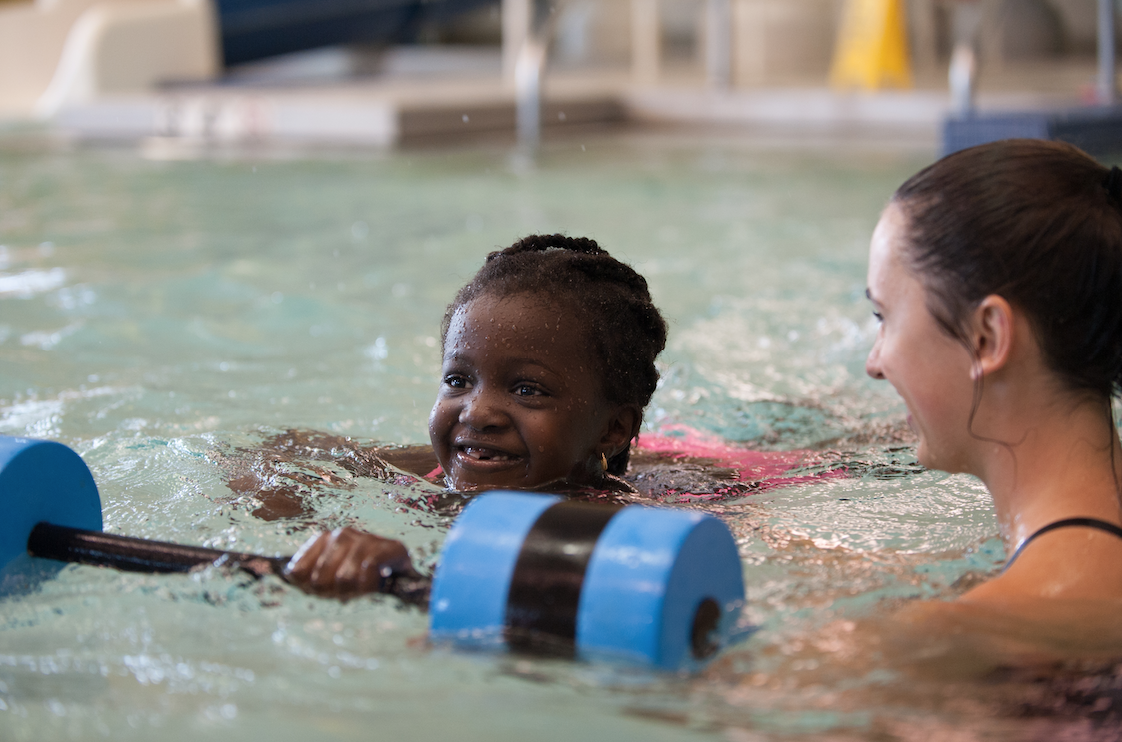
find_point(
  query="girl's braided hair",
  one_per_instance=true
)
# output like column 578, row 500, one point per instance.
column 625, row 330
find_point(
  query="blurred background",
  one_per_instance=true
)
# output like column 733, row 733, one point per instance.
column 384, row 73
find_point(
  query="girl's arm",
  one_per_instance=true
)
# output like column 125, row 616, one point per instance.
column 282, row 476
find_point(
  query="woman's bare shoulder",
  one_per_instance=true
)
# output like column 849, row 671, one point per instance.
column 1016, row 630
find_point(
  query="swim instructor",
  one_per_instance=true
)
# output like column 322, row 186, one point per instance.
column 996, row 275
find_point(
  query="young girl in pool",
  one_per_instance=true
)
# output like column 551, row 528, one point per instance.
column 548, row 363
column 996, row 274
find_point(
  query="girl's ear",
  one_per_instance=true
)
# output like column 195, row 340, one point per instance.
column 994, row 325
column 622, row 426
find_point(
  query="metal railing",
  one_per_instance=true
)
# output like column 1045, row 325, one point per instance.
column 528, row 27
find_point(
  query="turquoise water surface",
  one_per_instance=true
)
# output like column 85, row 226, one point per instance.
column 165, row 317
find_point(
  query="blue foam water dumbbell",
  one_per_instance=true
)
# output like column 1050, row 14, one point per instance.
column 652, row 586
column 645, row 585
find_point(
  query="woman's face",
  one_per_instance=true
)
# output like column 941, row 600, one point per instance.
column 520, row 403
column 931, row 370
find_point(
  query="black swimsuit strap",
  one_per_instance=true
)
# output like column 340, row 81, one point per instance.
column 1101, row 525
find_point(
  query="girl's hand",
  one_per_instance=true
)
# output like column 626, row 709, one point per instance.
column 346, row 563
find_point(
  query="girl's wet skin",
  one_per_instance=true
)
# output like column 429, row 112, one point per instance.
column 521, row 402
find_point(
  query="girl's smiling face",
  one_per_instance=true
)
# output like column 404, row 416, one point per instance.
column 931, row 370
column 521, row 403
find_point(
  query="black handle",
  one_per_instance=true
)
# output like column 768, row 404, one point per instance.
column 131, row 554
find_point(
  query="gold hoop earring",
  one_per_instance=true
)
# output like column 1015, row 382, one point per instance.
column 604, row 462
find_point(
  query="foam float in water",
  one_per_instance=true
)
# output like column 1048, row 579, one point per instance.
column 649, row 586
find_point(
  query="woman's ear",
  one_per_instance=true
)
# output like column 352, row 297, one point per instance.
column 622, row 426
column 993, row 329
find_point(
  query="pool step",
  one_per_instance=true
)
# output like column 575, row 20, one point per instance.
column 355, row 115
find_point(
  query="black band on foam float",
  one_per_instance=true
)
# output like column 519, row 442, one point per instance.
column 541, row 611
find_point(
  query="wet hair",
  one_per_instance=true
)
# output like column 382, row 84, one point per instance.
column 1038, row 223
column 625, row 330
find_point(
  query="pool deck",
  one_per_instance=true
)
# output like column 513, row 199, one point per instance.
column 464, row 99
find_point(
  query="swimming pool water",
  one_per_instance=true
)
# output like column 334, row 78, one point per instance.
column 162, row 316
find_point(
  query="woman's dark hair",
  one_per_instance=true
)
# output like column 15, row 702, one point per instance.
column 1038, row 223
column 612, row 302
